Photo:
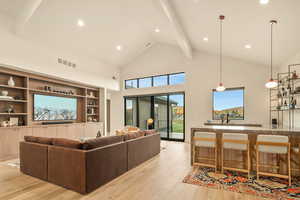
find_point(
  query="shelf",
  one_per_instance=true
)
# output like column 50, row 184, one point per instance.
column 12, row 100
column 92, row 114
column 13, row 114
column 13, row 87
column 89, row 97
column 55, row 93
column 92, row 106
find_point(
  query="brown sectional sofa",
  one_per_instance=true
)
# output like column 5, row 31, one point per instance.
column 85, row 170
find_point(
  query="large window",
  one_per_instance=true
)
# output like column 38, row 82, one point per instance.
column 131, row 84
column 177, row 78
column 228, row 103
column 145, row 82
column 156, row 81
column 160, row 81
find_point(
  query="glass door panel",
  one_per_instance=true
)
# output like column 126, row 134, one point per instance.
column 176, row 116
column 131, row 111
column 161, row 115
column 144, row 111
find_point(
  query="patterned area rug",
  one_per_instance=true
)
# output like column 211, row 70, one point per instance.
column 266, row 187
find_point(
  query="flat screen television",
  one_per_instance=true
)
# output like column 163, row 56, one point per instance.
column 53, row 108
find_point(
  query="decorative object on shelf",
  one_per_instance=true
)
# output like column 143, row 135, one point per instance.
column 6, row 98
column 21, row 122
column 272, row 83
column 294, row 76
column 13, row 121
column 4, row 93
column 293, row 103
column 92, row 94
column 221, row 87
column 99, row 134
column 297, row 90
column 4, row 123
column 9, row 109
column 18, row 98
column 47, row 88
column 95, row 120
column 89, row 119
column 274, row 123
column 11, row 82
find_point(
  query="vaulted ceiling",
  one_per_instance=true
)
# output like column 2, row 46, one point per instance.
column 132, row 24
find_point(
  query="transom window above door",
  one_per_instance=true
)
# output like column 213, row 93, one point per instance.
column 156, row 81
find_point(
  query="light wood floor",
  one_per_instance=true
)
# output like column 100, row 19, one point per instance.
column 157, row 179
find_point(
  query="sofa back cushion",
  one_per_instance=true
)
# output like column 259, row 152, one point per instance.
column 62, row 142
column 150, row 132
column 40, row 140
column 134, row 135
column 101, row 142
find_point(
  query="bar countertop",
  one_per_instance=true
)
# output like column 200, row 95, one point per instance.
column 245, row 129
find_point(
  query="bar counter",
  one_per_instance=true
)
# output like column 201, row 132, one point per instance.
column 293, row 134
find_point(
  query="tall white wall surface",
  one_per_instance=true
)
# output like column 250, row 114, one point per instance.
column 201, row 77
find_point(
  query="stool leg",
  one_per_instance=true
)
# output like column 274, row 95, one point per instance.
column 257, row 162
column 248, row 159
column 194, row 154
column 289, row 165
column 216, row 158
column 222, row 159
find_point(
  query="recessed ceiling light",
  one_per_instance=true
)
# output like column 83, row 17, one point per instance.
column 264, row 2
column 80, row 23
column 157, row 30
column 119, row 48
column 248, row 46
column 205, row 39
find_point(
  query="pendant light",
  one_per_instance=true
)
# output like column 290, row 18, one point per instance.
column 272, row 83
column 221, row 87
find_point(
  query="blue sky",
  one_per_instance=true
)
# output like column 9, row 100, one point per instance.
column 228, row 99
column 55, row 102
column 177, row 98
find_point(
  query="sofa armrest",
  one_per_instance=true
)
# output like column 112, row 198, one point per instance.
column 34, row 159
column 104, row 164
column 67, row 168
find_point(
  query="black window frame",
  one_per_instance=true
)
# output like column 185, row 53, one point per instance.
column 152, row 80
column 137, row 84
column 234, row 88
column 136, row 97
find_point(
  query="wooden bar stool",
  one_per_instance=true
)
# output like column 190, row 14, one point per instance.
column 273, row 144
column 208, row 140
column 235, row 141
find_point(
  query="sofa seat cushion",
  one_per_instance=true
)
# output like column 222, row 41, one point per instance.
column 101, row 142
column 134, row 135
column 62, row 142
column 40, row 140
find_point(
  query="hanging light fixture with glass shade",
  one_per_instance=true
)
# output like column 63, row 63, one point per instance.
column 221, row 87
column 272, row 83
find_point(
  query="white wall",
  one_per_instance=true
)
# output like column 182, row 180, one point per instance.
column 201, row 77
column 27, row 55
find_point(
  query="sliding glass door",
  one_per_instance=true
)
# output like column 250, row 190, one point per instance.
column 131, row 111
column 144, row 111
column 167, row 111
column 161, row 115
column 176, row 116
